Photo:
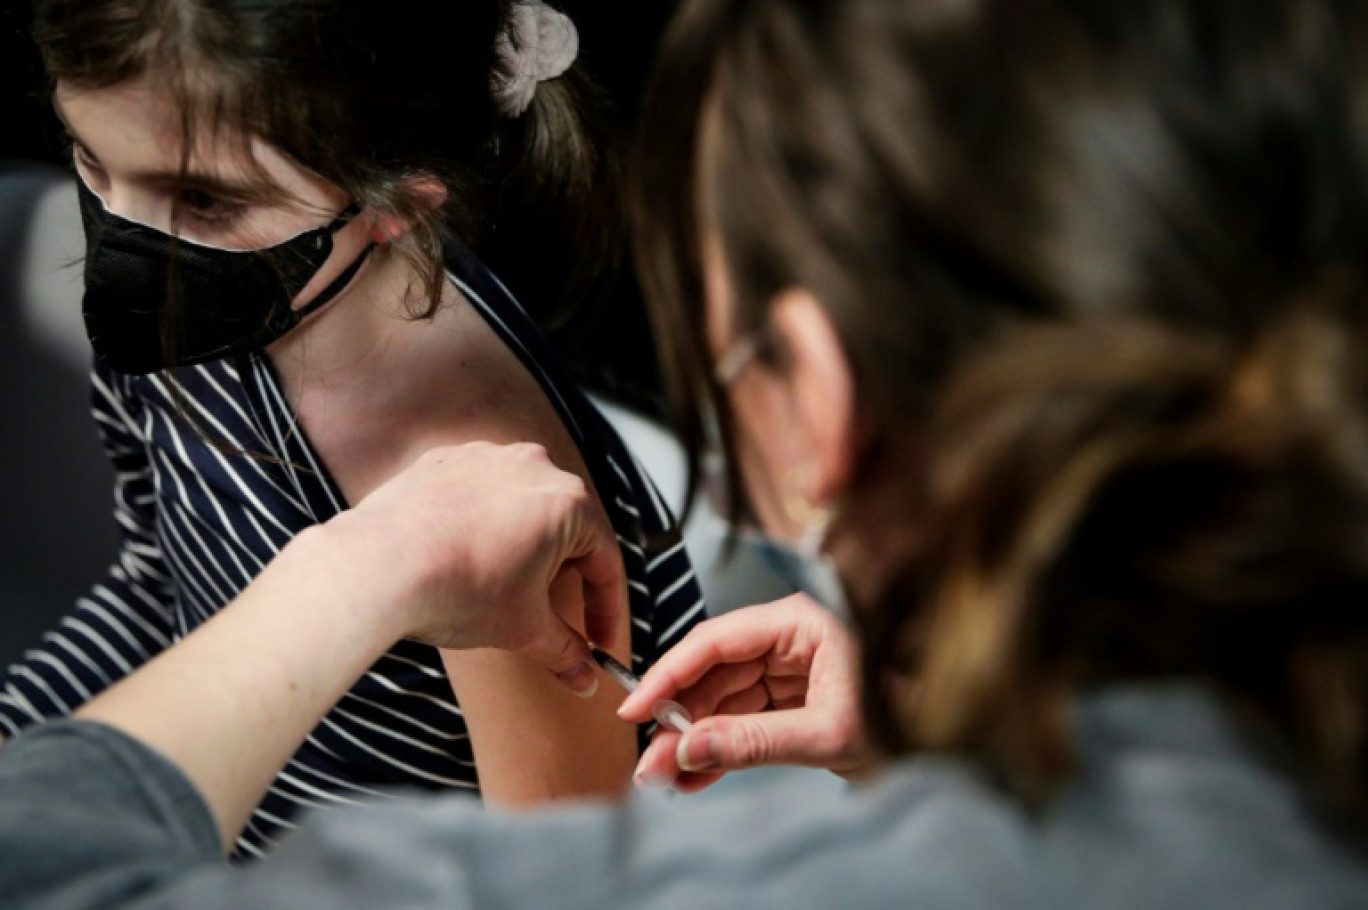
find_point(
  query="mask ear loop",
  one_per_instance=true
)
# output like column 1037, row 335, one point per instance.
column 815, row 519
column 815, row 532
column 817, row 522
column 336, row 285
column 341, row 220
column 344, row 218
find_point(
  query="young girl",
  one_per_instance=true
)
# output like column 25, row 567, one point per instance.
column 283, row 203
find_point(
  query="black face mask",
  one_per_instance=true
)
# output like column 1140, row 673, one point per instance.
column 231, row 301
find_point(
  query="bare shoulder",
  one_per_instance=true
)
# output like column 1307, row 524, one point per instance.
column 445, row 380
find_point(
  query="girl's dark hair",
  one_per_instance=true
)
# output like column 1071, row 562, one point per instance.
column 369, row 94
column 1099, row 270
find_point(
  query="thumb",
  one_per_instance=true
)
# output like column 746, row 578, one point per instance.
column 564, row 652
column 594, row 554
column 605, row 595
column 731, row 743
column 658, row 768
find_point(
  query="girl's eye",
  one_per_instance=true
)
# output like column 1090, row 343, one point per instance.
column 208, row 208
column 85, row 162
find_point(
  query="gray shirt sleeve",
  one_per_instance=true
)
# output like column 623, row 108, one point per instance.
column 91, row 818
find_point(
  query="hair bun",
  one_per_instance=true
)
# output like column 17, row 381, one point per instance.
column 537, row 43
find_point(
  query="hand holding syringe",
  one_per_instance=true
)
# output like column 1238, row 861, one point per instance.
column 669, row 714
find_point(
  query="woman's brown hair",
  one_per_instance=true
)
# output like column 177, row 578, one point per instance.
column 1099, row 271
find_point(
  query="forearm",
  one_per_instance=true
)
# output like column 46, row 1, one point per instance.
column 231, row 703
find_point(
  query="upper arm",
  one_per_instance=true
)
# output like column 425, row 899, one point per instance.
column 533, row 739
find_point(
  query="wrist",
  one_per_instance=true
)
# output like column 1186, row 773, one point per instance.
column 332, row 569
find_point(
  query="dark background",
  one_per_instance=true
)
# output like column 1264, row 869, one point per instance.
column 26, row 130
column 615, row 355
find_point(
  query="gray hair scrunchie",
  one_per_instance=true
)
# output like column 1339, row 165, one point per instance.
column 539, row 43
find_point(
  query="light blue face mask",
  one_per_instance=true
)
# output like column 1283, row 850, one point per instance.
column 805, row 566
column 802, row 565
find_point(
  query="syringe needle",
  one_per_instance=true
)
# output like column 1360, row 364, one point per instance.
column 614, row 668
column 669, row 714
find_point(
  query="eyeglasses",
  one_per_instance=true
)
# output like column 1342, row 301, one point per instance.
column 735, row 359
column 717, row 477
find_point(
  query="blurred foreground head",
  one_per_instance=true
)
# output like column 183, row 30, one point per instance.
column 1097, row 271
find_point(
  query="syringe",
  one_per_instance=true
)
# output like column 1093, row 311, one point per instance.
column 669, row 714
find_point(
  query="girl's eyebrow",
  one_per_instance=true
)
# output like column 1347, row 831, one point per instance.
column 209, row 183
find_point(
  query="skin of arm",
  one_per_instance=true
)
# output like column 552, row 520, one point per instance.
column 231, row 702
column 534, row 741
column 449, row 381
column 274, row 698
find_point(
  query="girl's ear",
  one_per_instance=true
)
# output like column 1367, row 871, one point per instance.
column 823, row 390
column 385, row 228
column 427, row 190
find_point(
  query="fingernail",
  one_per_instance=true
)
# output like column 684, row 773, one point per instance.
column 645, row 779
column 698, row 753
column 582, row 680
column 638, row 773
column 651, row 782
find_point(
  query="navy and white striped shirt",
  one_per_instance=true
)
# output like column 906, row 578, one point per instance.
column 199, row 519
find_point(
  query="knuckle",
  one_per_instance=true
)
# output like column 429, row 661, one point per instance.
column 751, row 744
column 530, row 451
column 570, row 495
column 573, row 488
